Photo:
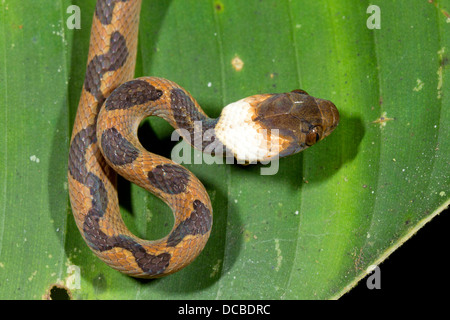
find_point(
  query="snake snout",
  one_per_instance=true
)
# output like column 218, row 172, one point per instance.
column 330, row 116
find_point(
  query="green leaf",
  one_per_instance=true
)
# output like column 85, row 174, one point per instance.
column 312, row 230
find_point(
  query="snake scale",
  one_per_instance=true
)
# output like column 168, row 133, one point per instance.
column 104, row 141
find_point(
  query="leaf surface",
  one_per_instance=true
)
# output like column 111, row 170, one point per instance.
column 311, row 230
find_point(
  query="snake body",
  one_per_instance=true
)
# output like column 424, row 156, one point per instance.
column 104, row 141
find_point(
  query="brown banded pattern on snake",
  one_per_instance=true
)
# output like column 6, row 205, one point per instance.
column 104, row 141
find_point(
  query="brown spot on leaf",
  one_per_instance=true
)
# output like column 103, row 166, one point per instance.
column 237, row 63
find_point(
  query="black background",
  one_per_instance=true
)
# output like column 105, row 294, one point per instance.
column 419, row 269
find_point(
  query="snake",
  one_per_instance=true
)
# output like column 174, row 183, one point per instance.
column 104, row 143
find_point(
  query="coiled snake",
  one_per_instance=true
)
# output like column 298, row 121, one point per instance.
column 105, row 138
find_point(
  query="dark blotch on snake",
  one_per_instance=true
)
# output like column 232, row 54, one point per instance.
column 104, row 10
column 110, row 61
column 98, row 193
column 184, row 110
column 199, row 222
column 169, row 178
column 77, row 162
column 134, row 92
column 95, row 237
column 149, row 263
column 117, row 149
column 99, row 241
column 186, row 114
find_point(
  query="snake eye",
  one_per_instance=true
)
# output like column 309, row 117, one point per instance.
column 313, row 135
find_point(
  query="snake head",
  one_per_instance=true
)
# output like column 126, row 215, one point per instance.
column 275, row 125
column 302, row 120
